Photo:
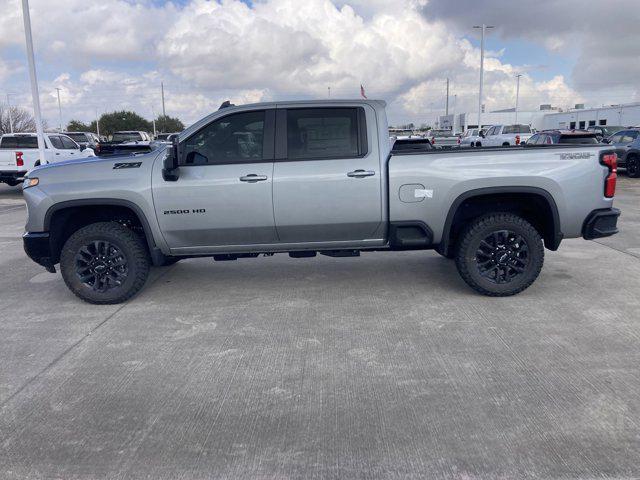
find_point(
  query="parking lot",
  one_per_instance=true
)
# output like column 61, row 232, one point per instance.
column 386, row 365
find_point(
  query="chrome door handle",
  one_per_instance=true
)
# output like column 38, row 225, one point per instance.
column 253, row 178
column 361, row 173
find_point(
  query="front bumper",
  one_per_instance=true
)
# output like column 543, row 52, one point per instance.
column 38, row 248
column 601, row 223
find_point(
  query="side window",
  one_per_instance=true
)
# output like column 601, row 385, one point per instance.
column 534, row 139
column 617, row 137
column 56, row 142
column 490, row 131
column 68, row 144
column 235, row 138
column 323, row 133
column 629, row 136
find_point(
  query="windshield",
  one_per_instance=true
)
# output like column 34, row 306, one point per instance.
column 517, row 129
column 126, row 137
column 78, row 137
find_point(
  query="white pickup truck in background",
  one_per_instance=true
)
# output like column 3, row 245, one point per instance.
column 506, row 135
column 19, row 153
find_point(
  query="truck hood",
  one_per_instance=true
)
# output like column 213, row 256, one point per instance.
column 89, row 162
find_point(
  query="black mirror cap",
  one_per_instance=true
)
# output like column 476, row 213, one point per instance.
column 171, row 170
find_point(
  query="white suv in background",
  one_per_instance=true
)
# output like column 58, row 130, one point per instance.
column 506, row 135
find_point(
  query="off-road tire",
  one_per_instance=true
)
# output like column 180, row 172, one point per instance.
column 129, row 244
column 478, row 231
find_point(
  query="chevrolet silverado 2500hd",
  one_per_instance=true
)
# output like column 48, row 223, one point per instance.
column 309, row 177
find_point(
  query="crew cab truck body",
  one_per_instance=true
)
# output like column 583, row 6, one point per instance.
column 309, row 177
column 19, row 153
column 506, row 135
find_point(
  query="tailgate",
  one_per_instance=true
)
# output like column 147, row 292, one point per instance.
column 7, row 159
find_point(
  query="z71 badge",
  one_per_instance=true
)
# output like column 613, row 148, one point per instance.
column 182, row 212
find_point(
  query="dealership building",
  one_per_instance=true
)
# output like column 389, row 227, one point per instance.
column 626, row 115
column 548, row 117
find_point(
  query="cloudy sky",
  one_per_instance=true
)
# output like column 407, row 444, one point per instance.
column 113, row 54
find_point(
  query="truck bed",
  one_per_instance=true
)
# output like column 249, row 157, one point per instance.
column 423, row 185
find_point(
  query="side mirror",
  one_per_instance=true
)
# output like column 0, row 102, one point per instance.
column 82, row 147
column 171, row 167
column 605, row 140
column 482, row 135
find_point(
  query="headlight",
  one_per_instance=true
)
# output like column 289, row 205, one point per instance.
column 30, row 182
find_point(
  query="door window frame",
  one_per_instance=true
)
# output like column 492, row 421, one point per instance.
column 268, row 139
column 281, row 148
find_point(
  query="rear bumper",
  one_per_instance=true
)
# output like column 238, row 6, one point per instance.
column 11, row 175
column 38, row 248
column 601, row 223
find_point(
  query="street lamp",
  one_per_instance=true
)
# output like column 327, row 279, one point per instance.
column 484, row 28
column 517, row 94
column 9, row 112
column 34, row 79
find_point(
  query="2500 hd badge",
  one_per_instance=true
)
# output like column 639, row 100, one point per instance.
column 182, row 212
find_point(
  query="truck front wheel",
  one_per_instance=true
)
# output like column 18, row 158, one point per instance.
column 104, row 263
column 500, row 254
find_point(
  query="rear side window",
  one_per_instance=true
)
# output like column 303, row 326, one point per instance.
column 629, row 136
column 18, row 142
column 510, row 129
column 321, row 133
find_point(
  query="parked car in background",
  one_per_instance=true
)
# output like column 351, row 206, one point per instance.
column 166, row 137
column 330, row 184
column 443, row 138
column 506, row 135
column 84, row 139
column 604, row 131
column 124, row 142
column 627, row 146
column 471, row 138
column 554, row 137
column 19, row 153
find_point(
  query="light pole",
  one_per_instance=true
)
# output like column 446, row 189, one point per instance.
column 34, row 80
column 484, row 28
column 59, row 108
column 517, row 94
column 97, row 124
column 9, row 112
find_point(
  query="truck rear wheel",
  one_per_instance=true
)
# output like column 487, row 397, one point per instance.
column 500, row 254
column 104, row 263
column 633, row 166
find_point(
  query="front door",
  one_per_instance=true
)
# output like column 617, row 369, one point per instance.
column 327, row 183
column 223, row 196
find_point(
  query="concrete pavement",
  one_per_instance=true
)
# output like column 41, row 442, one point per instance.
column 383, row 366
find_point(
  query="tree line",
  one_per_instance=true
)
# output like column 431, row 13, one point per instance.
column 127, row 120
column 23, row 121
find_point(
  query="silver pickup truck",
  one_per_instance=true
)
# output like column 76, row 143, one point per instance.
column 312, row 177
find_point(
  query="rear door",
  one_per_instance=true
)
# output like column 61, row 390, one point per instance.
column 223, row 195
column 327, row 179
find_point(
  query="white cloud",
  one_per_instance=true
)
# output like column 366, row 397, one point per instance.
column 113, row 54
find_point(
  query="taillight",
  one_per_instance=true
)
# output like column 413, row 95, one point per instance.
column 19, row 160
column 517, row 139
column 433, row 140
column 458, row 140
column 610, row 160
